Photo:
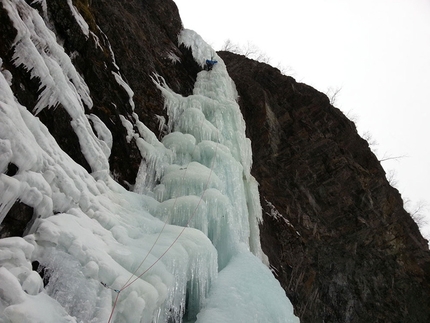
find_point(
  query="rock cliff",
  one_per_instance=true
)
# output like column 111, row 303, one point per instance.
column 336, row 234
column 335, row 231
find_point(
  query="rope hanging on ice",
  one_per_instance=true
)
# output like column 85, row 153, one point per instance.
column 130, row 281
column 162, row 229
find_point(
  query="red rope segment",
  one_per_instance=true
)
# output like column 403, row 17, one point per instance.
column 165, row 222
column 183, row 229
column 113, row 307
column 129, row 281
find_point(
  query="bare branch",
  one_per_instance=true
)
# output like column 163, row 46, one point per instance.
column 391, row 177
column 332, row 94
column 368, row 137
column 419, row 212
column 391, row 158
column 285, row 70
column 229, row 46
column 250, row 50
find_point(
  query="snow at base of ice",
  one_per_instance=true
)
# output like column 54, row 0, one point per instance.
column 183, row 246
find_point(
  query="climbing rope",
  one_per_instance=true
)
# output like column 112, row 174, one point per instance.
column 130, row 281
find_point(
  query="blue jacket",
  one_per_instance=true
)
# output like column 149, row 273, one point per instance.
column 211, row 62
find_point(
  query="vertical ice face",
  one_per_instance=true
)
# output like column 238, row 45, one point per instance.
column 212, row 158
column 245, row 290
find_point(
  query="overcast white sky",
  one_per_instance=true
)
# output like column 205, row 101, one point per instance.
column 376, row 51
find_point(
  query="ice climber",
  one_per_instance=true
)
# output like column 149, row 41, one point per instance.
column 210, row 64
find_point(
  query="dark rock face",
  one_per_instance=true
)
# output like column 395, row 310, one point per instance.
column 334, row 230
column 143, row 36
column 17, row 221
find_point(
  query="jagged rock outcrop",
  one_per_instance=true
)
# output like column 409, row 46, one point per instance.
column 334, row 230
column 143, row 36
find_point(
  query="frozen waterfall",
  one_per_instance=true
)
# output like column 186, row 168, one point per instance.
column 183, row 246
